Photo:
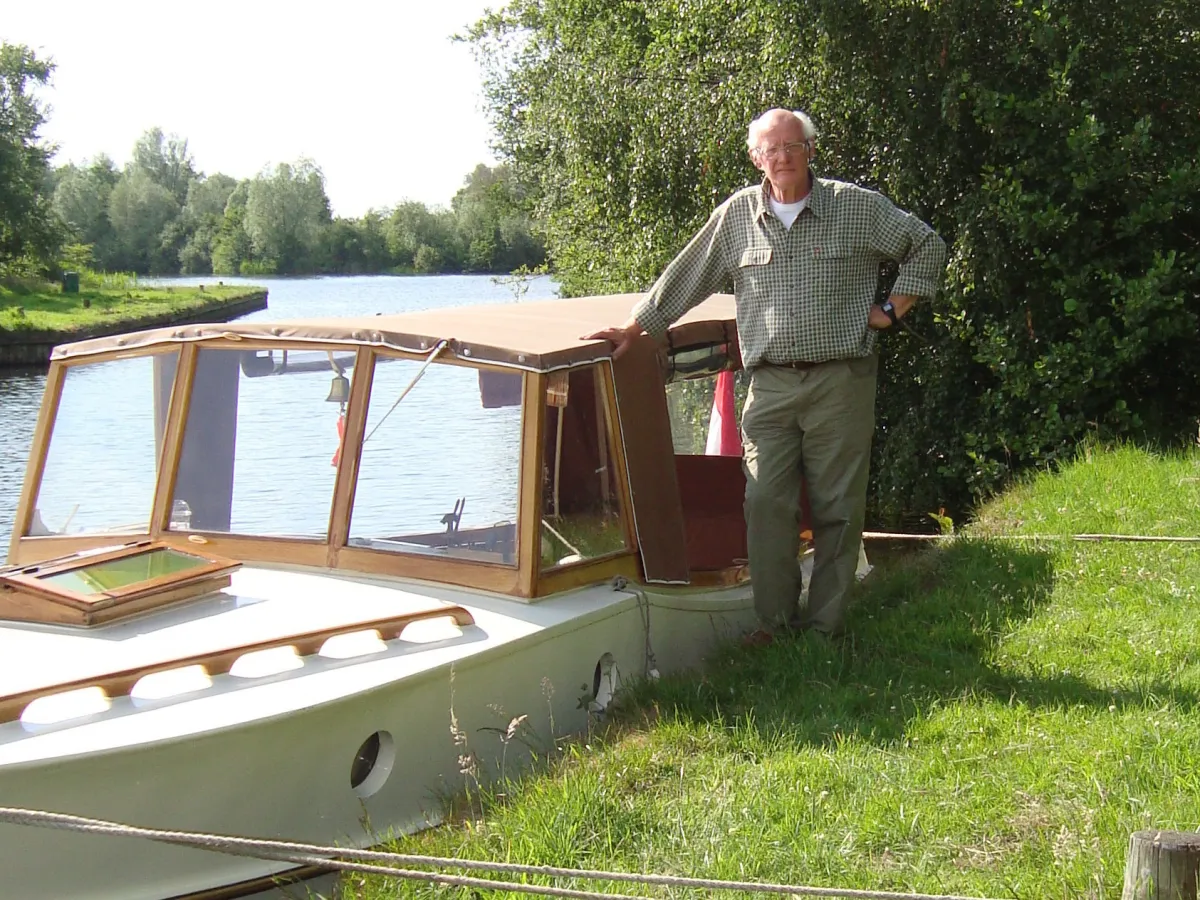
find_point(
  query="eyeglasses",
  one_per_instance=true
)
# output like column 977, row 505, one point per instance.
column 770, row 154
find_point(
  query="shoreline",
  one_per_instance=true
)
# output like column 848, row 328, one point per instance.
column 31, row 348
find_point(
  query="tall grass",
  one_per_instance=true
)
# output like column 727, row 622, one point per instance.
column 1003, row 716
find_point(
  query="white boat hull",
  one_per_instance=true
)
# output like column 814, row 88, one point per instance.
column 271, row 757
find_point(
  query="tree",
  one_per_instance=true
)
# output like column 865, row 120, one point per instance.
column 492, row 224
column 140, row 209
column 28, row 231
column 81, row 199
column 286, row 212
column 166, row 161
column 202, row 217
column 1053, row 143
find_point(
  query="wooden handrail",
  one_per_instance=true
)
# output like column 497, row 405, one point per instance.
column 218, row 662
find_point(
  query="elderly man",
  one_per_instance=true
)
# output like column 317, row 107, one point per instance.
column 803, row 254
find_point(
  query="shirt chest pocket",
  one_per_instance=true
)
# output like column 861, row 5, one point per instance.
column 755, row 256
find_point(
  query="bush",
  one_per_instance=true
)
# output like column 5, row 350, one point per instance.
column 1052, row 143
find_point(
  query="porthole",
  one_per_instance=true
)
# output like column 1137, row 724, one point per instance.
column 372, row 764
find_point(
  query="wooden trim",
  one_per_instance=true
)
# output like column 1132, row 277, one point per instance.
column 727, row 577
column 36, row 466
column 529, row 481
column 617, row 446
column 114, row 355
column 247, row 548
column 351, row 454
column 27, row 594
column 32, row 550
column 172, row 442
column 592, row 571
column 481, row 576
column 254, row 886
column 219, row 662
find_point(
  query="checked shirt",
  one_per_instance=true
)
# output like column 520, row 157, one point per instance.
column 803, row 293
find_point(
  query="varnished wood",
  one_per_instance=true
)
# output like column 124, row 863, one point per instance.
column 246, row 548
column 617, row 445
column 28, row 595
column 218, row 662
column 529, row 497
column 172, row 443
column 592, row 571
column 482, row 576
column 32, row 550
column 42, row 433
column 351, row 454
column 727, row 577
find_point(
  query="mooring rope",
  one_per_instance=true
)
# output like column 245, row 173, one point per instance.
column 353, row 860
column 1095, row 538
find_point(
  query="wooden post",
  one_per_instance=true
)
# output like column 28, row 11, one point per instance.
column 1162, row 865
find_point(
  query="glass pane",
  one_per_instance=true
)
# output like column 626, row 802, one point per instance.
column 115, row 574
column 581, row 514
column 690, row 403
column 103, row 456
column 439, row 470
column 261, row 443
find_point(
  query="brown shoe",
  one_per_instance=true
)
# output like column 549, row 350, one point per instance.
column 759, row 638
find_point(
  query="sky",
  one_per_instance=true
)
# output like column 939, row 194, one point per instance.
column 375, row 93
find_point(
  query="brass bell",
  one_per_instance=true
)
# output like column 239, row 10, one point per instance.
column 339, row 391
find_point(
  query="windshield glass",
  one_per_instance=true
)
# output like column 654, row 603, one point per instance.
column 439, row 469
column 102, row 460
column 261, row 443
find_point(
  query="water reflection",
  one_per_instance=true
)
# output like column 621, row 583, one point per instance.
column 21, row 390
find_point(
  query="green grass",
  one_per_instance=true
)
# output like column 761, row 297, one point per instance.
column 107, row 301
column 1004, row 716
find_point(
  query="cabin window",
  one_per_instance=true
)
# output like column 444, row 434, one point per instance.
column 261, row 443
column 102, row 461
column 439, row 469
column 581, row 511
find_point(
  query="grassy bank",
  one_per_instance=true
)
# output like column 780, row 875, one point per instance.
column 98, row 307
column 1004, row 715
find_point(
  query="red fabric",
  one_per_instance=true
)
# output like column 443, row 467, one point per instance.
column 341, row 428
column 723, row 437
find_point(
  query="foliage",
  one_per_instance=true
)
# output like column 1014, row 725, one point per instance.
column 29, row 234
column 1052, row 143
column 286, row 211
column 140, row 209
column 161, row 215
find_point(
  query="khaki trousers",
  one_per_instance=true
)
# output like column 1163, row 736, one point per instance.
column 817, row 424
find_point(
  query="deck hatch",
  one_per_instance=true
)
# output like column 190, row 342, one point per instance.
column 98, row 586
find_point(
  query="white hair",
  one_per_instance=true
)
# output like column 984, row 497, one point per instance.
column 810, row 130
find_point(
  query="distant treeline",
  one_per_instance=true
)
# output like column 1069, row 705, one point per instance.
column 158, row 214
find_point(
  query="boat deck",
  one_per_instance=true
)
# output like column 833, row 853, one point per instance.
column 262, row 606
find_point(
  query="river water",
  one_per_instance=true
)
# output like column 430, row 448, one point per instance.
column 289, row 298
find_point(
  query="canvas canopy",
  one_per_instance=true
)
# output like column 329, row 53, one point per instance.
column 536, row 336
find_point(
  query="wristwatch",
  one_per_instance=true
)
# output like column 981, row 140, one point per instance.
column 890, row 312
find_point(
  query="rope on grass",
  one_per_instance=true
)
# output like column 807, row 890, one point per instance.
column 1143, row 538
column 353, row 860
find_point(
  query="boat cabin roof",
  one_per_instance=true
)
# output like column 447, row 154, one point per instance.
column 537, row 336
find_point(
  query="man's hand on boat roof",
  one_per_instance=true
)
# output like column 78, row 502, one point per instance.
column 620, row 337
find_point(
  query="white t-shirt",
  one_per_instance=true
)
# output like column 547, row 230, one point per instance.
column 787, row 212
